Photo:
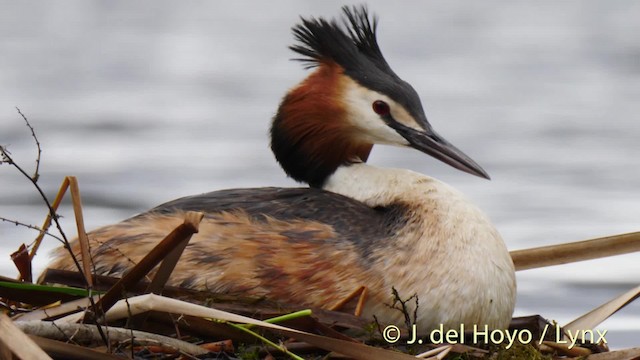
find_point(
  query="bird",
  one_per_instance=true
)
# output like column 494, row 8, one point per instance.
column 356, row 225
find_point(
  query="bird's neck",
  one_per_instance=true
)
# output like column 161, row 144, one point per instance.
column 377, row 186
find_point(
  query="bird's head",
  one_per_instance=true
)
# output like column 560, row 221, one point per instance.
column 351, row 101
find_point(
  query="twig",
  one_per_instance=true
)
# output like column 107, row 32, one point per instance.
column 65, row 308
column 4, row 154
column 378, row 326
column 32, row 227
column 85, row 332
column 130, row 328
column 36, row 174
column 135, row 344
column 52, row 213
column 403, row 307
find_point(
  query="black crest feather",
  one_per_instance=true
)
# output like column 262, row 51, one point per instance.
column 352, row 44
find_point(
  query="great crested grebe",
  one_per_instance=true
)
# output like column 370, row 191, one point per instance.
column 356, row 225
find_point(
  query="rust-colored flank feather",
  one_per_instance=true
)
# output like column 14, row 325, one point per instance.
column 299, row 260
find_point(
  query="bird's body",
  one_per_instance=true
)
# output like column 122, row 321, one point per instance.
column 358, row 225
column 313, row 247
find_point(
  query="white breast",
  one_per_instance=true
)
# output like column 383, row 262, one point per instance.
column 449, row 254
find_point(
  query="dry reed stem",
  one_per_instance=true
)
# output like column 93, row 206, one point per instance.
column 576, row 251
column 437, row 353
column 151, row 302
column 89, row 333
column 182, row 233
column 170, row 261
column 62, row 350
column 69, row 182
column 361, row 300
column 19, row 343
column 82, row 234
column 47, row 221
column 55, row 311
column 596, row 316
column 566, row 350
column 167, row 265
column 360, row 293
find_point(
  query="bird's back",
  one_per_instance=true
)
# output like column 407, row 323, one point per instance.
column 301, row 245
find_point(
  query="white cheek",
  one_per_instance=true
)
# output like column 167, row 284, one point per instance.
column 371, row 128
column 375, row 131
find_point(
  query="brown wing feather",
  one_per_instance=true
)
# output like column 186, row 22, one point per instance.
column 298, row 261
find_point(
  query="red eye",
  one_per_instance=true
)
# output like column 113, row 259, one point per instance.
column 381, row 108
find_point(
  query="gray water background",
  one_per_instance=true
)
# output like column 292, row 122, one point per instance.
column 149, row 101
